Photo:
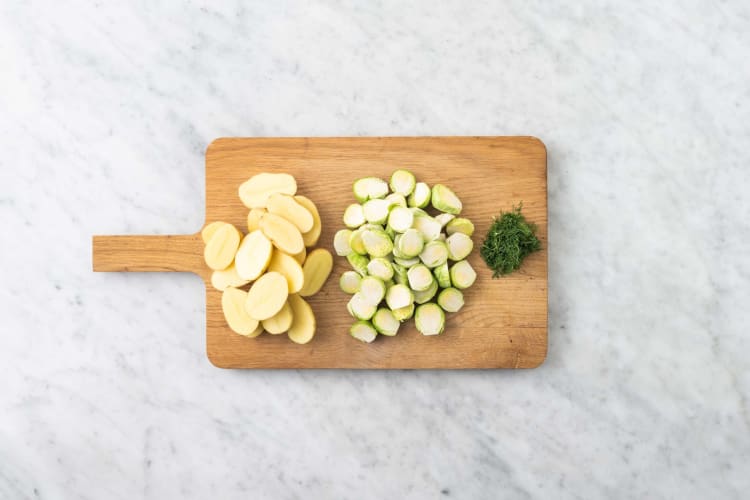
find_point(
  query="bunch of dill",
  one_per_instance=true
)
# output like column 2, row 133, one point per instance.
column 510, row 239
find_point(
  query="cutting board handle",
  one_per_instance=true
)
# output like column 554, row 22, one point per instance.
column 182, row 253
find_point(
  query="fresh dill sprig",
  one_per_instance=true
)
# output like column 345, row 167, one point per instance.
column 510, row 239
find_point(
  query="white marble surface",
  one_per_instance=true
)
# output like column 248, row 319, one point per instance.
column 105, row 111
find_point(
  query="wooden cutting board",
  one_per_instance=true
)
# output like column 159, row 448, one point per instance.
column 504, row 321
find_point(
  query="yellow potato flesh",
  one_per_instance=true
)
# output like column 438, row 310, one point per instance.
column 289, row 268
column 210, row 229
column 283, row 234
column 221, row 248
column 286, row 207
column 267, row 296
column 253, row 255
column 310, row 237
column 300, row 257
column 317, row 267
column 221, row 280
column 303, row 323
column 279, row 322
column 233, row 305
column 255, row 191
column 253, row 219
column 256, row 332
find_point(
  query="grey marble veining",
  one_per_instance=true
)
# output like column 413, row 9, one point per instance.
column 105, row 112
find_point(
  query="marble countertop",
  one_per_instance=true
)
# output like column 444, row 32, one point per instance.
column 105, row 112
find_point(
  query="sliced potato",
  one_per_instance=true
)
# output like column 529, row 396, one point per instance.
column 303, row 322
column 221, row 280
column 256, row 332
column 317, row 267
column 285, row 206
column 222, row 246
column 283, row 234
column 267, row 296
column 253, row 255
column 300, row 257
column 289, row 268
column 310, row 237
column 253, row 219
column 233, row 304
column 255, row 191
column 279, row 322
column 210, row 229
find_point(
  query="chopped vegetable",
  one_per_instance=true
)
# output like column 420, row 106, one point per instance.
column 396, row 200
column 273, row 256
column 430, row 319
column 356, row 243
column 377, row 243
column 341, row 242
column 376, row 211
column 422, row 296
column 360, row 308
column 372, row 290
column 381, row 268
column 428, row 226
column 316, row 269
column 444, row 219
column 462, row 274
column 233, row 306
column 221, row 247
column 403, row 182
column 385, row 322
column 290, row 269
column 253, row 255
column 400, row 252
column 303, row 321
column 288, row 208
column 404, row 313
column 400, row 219
column 358, row 263
column 509, row 240
column 399, row 296
column 410, row 243
column 451, row 300
column 267, row 296
column 349, row 282
column 420, row 197
column 434, row 254
column 354, row 216
column 459, row 246
column 442, row 275
column 283, row 234
column 370, row 188
column 364, row 331
column 400, row 274
column 279, row 322
column 254, row 192
column 460, row 225
column 445, row 200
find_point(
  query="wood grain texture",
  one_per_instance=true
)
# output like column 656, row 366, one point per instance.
column 504, row 321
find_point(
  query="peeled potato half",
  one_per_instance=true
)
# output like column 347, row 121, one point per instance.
column 253, row 255
column 283, row 234
column 221, row 248
column 233, row 305
column 289, row 268
column 286, row 207
column 317, row 267
column 267, row 296
column 302, row 329
column 279, row 322
column 255, row 191
column 310, row 237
